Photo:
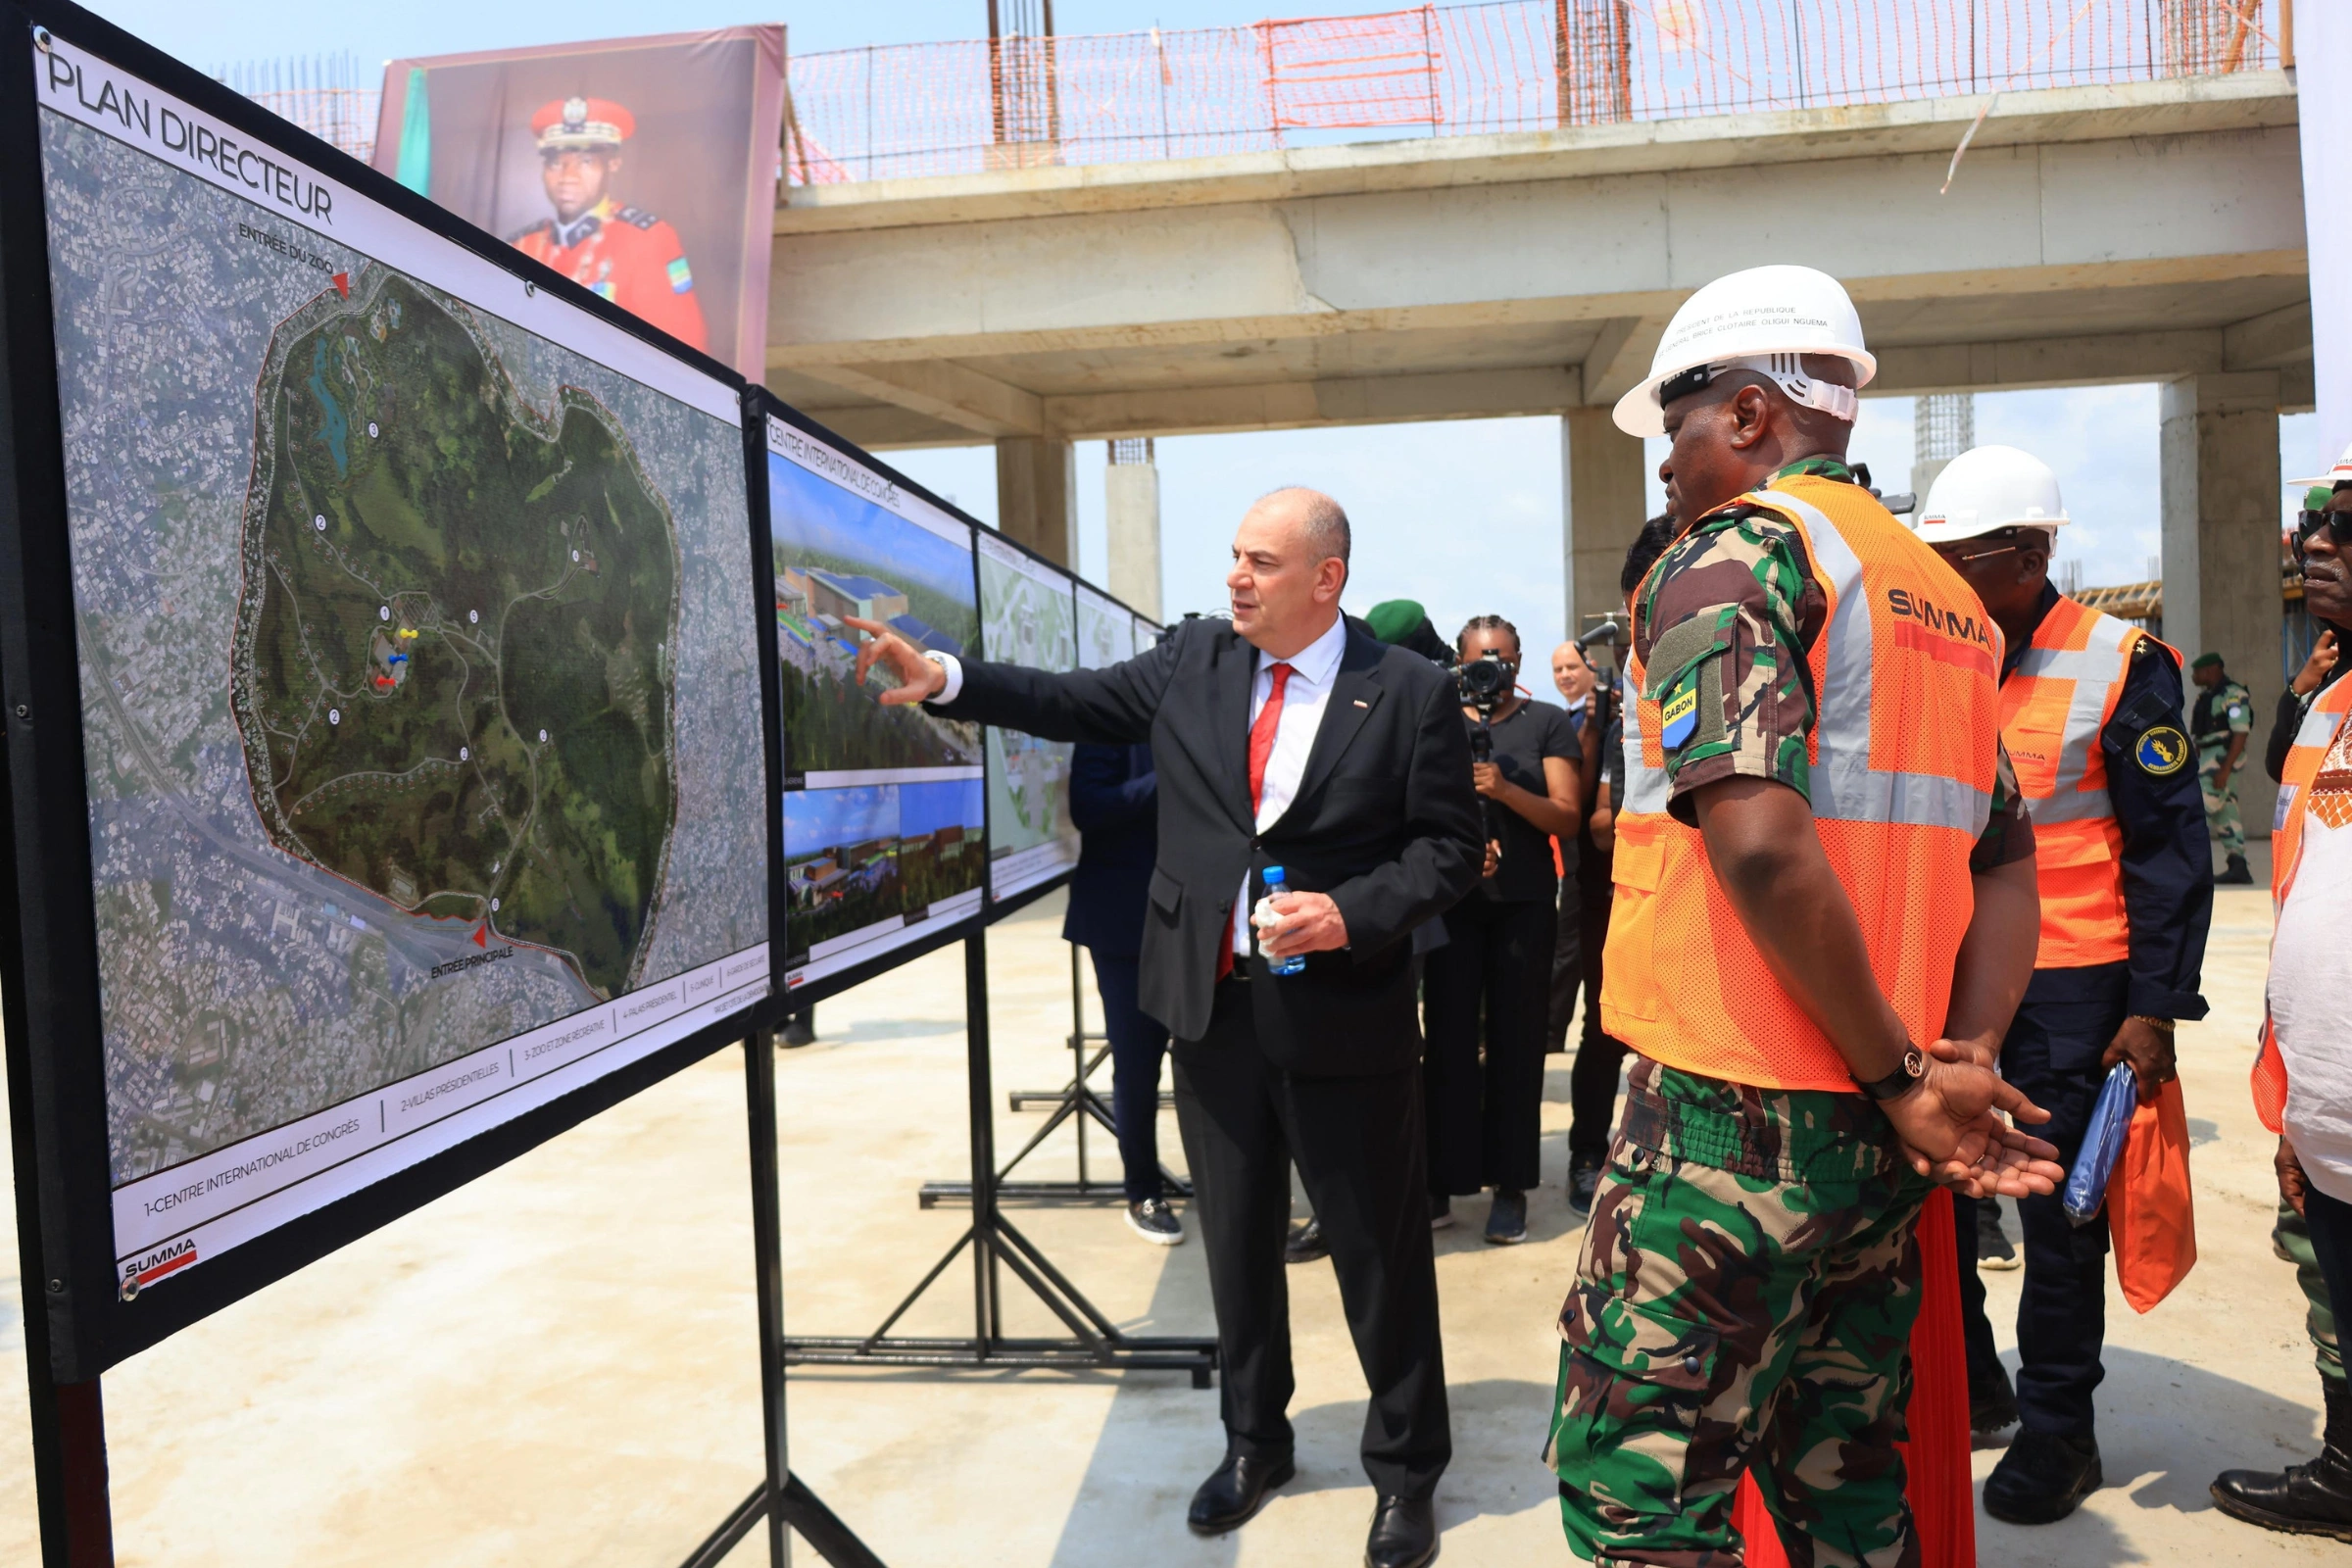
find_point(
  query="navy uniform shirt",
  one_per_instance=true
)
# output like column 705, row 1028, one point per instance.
column 2168, row 871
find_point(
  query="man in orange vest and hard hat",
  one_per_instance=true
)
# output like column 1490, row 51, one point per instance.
column 1824, row 915
column 2302, row 1086
column 2091, row 714
column 622, row 253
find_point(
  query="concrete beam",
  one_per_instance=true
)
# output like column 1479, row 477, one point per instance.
column 2240, row 100
column 1294, row 405
column 880, row 427
column 2050, row 362
column 2271, row 340
column 1621, row 356
column 951, row 393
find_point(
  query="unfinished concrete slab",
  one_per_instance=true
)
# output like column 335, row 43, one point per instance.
column 554, row 1365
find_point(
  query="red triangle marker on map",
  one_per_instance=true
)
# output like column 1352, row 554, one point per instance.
column 482, row 937
column 343, row 284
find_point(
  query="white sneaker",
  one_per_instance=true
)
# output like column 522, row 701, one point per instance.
column 1155, row 1222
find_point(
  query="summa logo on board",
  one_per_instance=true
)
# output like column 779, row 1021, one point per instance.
column 142, row 1272
column 1951, row 623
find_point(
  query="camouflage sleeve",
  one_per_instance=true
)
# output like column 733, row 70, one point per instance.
column 2009, row 834
column 2240, row 712
column 1730, row 614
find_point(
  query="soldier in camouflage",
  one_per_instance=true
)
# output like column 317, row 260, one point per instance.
column 2220, row 721
column 1750, row 1275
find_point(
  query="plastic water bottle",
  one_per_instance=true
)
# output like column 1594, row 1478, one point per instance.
column 1276, row 887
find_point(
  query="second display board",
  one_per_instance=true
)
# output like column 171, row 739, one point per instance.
column 901, row 827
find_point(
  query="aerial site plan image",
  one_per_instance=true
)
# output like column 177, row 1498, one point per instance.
column 883, row 828
column 420, row 665
column 1027, row 617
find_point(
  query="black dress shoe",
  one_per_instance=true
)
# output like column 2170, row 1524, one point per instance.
column 2303, row 1499
column 1306, row 1244
column 1234, row 1490
column 2042, row 1477
column 1405, row 1534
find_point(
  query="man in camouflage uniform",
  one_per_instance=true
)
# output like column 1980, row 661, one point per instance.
column 2220, row 721
column 1750, row 1275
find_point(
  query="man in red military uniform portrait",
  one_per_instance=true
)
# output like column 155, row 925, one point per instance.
column 624, row 253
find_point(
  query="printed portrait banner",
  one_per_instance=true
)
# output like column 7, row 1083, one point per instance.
column 644, row 168
column 406, row 816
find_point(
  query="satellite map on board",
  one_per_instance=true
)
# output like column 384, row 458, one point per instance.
column 419, row 662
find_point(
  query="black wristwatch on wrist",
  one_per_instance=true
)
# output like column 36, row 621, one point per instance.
column 1899, row 1081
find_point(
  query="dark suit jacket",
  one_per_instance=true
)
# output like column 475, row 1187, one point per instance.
column 1384, row 821
column 1115, row 799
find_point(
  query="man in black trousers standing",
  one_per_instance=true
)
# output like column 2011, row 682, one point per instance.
column 1285, row 738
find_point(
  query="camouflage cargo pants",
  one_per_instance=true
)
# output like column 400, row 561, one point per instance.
column 1743, row 1301
column 2220, row 808
column 2290, row 1239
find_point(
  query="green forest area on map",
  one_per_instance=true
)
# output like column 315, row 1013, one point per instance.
column 454, row 670
column 834, row 721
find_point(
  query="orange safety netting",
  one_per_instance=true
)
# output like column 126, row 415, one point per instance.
column 898, row 111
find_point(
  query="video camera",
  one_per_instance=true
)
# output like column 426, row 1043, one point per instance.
column 1484, row 682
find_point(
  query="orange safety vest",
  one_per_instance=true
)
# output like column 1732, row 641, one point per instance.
column 2320, row 720
column 1903, row 755
column 2054, row 707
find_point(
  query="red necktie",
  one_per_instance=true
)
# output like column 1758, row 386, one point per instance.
column 1261, row 747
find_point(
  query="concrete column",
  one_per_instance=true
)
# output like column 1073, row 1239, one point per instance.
column 2219, row 471
column 1132, row 497
column 1037, row 494
column 1603, row 497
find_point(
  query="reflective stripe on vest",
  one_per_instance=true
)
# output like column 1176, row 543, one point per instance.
column 1903, row 762
column 2313, row 737
column 2055, row 707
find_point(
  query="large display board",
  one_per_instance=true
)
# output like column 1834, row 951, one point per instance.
column 884, row 807
column 1106, row 630
column 400, row 794
column 1028, row 615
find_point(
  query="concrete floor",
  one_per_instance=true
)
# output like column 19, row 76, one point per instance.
column 554, row 1365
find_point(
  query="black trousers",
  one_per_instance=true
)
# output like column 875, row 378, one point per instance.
column 1485, row 1116
column 1138, row 1045
column 2328, row 1220
column 1357, row 1145
column 2052, row 1054
column 1600, row 1057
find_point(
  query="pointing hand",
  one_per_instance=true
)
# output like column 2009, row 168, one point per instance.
column 918, row 677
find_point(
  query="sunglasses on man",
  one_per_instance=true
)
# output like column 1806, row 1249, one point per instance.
column 2337, row 524
column 1955, row 553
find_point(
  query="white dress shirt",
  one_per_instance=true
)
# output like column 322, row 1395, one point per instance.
column 1304, row 696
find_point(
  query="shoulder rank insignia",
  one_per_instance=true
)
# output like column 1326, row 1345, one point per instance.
column 2161, row 751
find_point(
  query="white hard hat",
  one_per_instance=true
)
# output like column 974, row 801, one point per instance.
column 1761, row 319
column 1988, row 488
column 2341, row 474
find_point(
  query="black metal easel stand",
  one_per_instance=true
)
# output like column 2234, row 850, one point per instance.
column 1094, row 1341
column 1076, row 1103
column 68, row 1421
column 780, row 1498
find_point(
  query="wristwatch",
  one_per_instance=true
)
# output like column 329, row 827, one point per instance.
column 2163, row 1026
column 1899, row 1083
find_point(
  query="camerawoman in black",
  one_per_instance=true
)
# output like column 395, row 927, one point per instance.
column 1485, row 1117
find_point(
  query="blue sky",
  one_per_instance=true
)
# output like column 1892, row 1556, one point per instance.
column 808, row 510
column 816, row 819
column 923, row 807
